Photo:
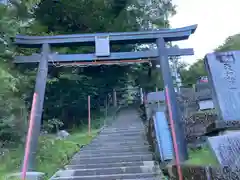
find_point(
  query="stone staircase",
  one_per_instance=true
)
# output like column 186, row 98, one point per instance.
column 120, row 151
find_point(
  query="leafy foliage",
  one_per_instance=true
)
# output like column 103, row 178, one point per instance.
column 13, row 110
column 196, row 70
column 68, row 88
column 190, row 76
column 231, row 43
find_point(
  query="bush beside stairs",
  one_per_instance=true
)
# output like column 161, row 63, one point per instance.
column 120, row 151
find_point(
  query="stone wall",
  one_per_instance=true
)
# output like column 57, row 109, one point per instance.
column 196, row 125
column 151, row 136
column 195, row 122
column 203, row 91
column 191, row 172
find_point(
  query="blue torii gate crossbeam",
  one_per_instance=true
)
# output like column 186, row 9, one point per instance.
column 160, row 37
column 61, row 58
column 177, row 34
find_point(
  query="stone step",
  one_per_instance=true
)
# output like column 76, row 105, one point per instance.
column 126, row 134
column 119, row 134
column 104, row 154
column 123, row 132
column 117, row 144
column 131, row 149
column 109, row 177
column 120, row 151
column 117, row 138
column 136, row 126
column 117, row 127
column 157, row 178
column 109, row 165
column 111, row 159
column 119, row 141
column 121, row 137
column 108, row 171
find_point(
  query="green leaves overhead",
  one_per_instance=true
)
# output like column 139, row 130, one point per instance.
column 68, row 88
column 81, row 15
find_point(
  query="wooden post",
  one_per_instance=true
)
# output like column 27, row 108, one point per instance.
column 141, row 96
column 114, row 98
column 106, row 110
column 194, row 87
column 89, row 116
column 145, row 98
column 158, row 103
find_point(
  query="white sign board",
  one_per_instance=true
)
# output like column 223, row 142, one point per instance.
column 102, row 46
column 206, row 104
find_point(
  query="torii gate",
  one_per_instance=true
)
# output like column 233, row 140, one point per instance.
column 102, row 55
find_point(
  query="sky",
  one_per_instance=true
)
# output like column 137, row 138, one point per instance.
column 216, row 19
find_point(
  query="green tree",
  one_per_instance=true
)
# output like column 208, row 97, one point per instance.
column 231, row 43
column 68, row 88
column 62, row 17
column 190, row 76
column 13, row 110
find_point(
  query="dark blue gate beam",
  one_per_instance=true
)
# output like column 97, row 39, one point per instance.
column 150, row 55
column 115, row 38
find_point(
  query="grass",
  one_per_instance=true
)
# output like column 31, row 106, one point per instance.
column 202, row 156
column 53, row 154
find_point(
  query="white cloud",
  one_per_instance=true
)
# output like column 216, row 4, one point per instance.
column 216, row 19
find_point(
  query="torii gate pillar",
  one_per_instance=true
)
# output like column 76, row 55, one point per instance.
column 37, row 108
column 168, row 83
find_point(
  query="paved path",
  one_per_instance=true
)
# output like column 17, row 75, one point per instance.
column 121, row 151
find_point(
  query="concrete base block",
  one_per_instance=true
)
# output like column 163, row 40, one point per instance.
column 29, row 176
